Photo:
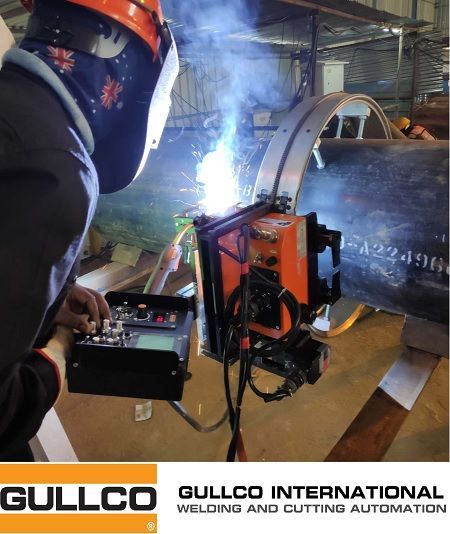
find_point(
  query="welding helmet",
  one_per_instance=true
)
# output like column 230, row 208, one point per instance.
column 6, row 39
column 402, row 123
column 120, row 158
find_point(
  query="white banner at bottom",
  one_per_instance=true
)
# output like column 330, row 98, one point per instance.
column 267, row 497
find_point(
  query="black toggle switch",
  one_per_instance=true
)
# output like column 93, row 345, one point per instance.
column 142, row 311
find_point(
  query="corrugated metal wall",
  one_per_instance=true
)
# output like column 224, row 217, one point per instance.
column 429, row 64
column 426, row 10
column 406, row 8
column 403, row 8
column 442, row 10
column 197, row 93
column 372, row 68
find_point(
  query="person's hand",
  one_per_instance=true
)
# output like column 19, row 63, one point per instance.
column 81, row 306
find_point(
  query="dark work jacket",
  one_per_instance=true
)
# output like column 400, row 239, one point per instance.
column 48, row 194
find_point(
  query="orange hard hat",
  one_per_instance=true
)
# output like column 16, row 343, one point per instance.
column 142, row 17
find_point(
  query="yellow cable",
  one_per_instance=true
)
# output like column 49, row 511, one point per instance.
column 350, row 321
column 179, row 237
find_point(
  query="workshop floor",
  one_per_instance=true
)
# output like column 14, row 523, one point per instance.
column 303, row 428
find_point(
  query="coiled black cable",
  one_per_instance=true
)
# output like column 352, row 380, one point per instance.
column 270, row 349
column 238, row 318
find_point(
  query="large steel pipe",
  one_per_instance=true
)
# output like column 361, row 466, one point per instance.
column 389, row 198
column 142, row 214
column 390, row 201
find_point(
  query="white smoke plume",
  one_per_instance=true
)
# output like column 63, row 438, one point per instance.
column 224, row 32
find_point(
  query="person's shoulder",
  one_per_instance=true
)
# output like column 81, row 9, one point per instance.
column 69, row 169
column 33, row 117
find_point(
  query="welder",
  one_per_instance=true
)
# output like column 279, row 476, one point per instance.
column 413, row 131
column 83, row 99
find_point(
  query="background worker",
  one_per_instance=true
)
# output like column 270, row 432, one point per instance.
column 413, row 131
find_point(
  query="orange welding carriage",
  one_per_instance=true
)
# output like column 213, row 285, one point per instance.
column 279, row 250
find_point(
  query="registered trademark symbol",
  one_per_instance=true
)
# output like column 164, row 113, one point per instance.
column 151, row 526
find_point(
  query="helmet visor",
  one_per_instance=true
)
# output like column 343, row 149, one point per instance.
column 160, row 102
column 121, row 156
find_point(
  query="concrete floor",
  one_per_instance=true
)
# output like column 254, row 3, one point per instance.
column 303, row 428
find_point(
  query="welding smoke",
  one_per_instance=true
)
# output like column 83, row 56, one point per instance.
column 229, row 60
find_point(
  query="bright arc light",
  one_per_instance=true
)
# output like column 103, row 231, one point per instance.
column 216, row 173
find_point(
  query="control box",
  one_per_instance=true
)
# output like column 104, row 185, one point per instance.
column 142, row 353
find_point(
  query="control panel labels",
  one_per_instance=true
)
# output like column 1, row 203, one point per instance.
column 276, row 222
column 302, row 239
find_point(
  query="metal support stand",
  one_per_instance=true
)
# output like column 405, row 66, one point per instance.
column 340, row 127
column 362, row 122
column 319, row 160
column 399, row 68
column 374, row 429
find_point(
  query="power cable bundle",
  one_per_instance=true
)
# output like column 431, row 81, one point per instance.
column 238, row 333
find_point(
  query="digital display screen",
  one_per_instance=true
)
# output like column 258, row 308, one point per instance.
column 153, row 342
column 159, row 317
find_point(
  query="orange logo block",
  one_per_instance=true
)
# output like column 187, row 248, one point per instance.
column 60, row 498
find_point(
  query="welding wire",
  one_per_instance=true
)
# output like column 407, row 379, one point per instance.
column 181, row 410
column 179, row 237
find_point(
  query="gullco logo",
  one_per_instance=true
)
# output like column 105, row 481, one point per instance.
column 63, row 498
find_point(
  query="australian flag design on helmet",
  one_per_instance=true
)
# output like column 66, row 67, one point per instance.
column 121, row 86
column 104, row 89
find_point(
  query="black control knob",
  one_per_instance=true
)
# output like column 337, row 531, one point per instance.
column 142, row 311
column 270, row 262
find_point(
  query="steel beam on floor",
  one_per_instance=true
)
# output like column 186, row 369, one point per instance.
column 373, row 430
